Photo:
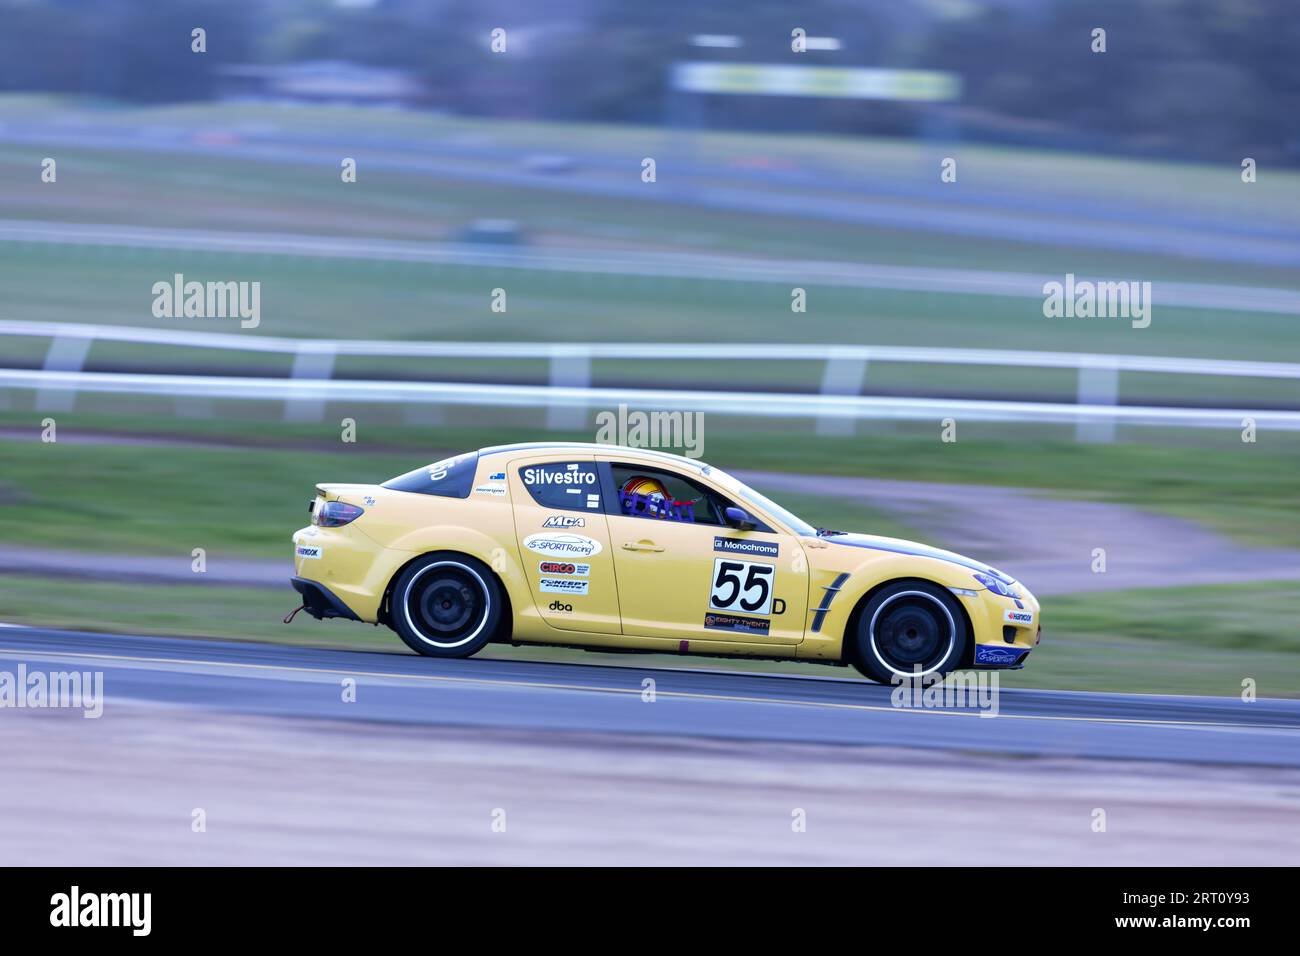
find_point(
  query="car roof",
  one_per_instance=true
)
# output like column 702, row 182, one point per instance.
column 593, row 448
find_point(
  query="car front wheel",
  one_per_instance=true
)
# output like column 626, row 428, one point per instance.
column 446, row 605
column 909, row 629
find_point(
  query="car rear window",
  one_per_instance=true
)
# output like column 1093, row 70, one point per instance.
column 449, row 478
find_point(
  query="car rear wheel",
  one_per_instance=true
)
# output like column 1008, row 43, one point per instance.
column 910, row 629
column 446, row 605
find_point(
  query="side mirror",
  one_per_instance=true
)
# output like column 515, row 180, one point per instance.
column 739, row 518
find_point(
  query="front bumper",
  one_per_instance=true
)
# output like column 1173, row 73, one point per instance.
column 1006, row 630
column 319, row 601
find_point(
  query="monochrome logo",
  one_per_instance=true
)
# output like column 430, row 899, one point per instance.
column 767, row 549
column 307, row 551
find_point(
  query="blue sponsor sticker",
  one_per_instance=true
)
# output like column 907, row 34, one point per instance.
column 499, row 476
column 985, row 654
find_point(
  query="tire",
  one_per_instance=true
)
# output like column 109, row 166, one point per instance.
column 446, row 605
column 909, row 624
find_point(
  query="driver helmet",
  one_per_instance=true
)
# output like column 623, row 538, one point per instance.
column 657, row 500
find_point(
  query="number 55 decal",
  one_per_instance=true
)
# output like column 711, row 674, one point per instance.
column 742, row 586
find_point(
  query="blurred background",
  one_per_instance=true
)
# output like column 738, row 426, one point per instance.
column 503, row 199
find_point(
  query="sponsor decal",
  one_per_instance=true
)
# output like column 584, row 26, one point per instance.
column 564, row 567
column 742, row 586
column 564, row 521
column 733, row 622
column 1023, row 618
column 499, row 476
column 767, row 549
column 560, row 606
column 563, row 586
column 368, row 500
column 570, row 476
column 996, row 655
column 562, row 545
column 491, row 489
column 307, row 550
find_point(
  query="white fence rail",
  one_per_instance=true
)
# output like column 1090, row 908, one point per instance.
column 570, row 395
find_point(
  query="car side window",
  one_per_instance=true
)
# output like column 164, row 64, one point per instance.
column 665, row 496
column 563, row 485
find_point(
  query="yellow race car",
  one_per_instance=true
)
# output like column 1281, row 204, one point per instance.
column 601, row 546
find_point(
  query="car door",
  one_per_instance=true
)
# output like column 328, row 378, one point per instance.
column 688, row 576
column 564, row 542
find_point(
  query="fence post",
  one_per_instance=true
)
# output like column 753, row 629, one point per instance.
column 67, row 354
column 313, row 361
column 1098, row 385
column 570, row 368
column 843, row 376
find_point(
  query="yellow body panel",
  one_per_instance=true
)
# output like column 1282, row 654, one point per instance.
column 585, row 574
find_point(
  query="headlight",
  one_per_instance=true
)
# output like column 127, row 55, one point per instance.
column 996, row 586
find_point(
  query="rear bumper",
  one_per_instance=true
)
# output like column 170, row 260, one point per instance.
column 320, row 602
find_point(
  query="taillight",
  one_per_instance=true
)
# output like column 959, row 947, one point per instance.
column 335, row 514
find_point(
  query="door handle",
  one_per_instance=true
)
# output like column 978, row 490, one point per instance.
column 642, row 545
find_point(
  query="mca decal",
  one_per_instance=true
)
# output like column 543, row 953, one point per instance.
column 563, row 521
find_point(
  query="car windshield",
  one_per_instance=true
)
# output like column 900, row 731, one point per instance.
column 746, row 493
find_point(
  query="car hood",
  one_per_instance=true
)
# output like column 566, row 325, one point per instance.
column 901, row 546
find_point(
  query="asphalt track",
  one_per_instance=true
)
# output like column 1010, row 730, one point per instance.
column 402, row 689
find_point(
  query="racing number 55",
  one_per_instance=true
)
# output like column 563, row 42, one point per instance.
column 742, row 585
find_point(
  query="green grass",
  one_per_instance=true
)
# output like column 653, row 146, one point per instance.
column 315, row 298
column 1202, row 640
column 244, row 498
column 1162, row 641
column 303, row 296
